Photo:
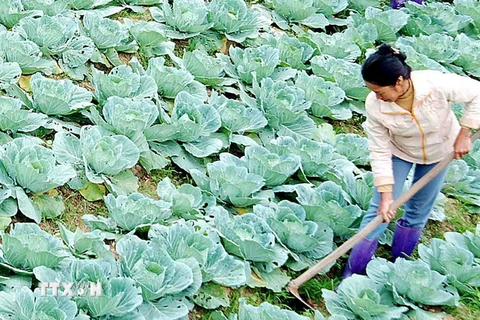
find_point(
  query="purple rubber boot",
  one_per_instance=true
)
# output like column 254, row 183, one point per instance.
column 360, row 256
column 396, row 4
column 404, row 240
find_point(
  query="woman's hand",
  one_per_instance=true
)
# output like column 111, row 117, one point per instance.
column 462, row 144
column 384, row 207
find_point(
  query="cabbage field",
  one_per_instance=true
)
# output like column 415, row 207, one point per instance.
column 192, row 157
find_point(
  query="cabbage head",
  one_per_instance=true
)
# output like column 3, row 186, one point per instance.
column 58, row 97
column 107, row 153
column 32, row 166
column 122, row 82
column 185, row 18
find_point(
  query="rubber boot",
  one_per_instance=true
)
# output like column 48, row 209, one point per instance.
column 360, row 256
column 405, row 240
column 396, row 4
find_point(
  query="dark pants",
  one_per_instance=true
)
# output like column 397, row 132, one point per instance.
column 395, row 4
column 418, row 208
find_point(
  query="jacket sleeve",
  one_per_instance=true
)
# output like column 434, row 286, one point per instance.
column 379, row 147
column 461, row 89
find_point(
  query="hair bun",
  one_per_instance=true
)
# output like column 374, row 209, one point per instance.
column 401, row 56
column 386, row 49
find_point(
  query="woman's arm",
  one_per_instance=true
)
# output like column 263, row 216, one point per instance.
column 462, row 144
column 461, row 89
column 381, row 162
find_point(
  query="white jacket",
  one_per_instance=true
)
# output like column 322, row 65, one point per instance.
column 427, row 133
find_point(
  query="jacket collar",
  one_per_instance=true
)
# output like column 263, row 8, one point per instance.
column 422, row 90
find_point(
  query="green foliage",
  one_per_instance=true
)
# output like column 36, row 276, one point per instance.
column 227, row 130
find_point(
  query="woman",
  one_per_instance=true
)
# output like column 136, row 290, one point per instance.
column 409, row 121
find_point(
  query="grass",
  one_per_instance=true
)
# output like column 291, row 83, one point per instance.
column 134, row 16
column 311, row 291
column 352, row 125
column 458, row 219
column 75, row 208
column 469, row 308
column 472, row 312
column 254, row 297
column 465, row 313
column 180, row 46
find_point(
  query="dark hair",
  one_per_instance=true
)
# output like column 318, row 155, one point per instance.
column 383, row 67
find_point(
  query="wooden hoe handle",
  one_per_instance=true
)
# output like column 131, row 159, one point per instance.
column 372, row 225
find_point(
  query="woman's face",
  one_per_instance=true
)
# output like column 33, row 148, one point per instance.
column 389, row 93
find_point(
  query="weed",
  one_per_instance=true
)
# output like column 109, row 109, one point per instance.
column 353, row 125
column 135, row 16
column 458, row 219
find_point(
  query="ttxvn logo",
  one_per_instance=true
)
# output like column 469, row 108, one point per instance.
column 71, row 289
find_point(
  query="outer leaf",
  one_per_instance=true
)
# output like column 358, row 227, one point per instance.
column 266, row 311
column 234, row 19
column 13, row 48
column 58, row 97
column 261, row 60
column 388, row 22
column 27, row 207
column 164, row 309
column 27, row 246
column 14, row 118
column 25, row 304
column 106, row 153
column 49, row 206
column 107, row 33
column 10, row 72
column 171, row 81
column 123, row 82
column 206, row 69
column 186, row 25
column 93, row 192
column 212, row 296
column 136, row 209
column 13, row 12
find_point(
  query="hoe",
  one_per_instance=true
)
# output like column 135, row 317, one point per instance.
column 295, row 284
